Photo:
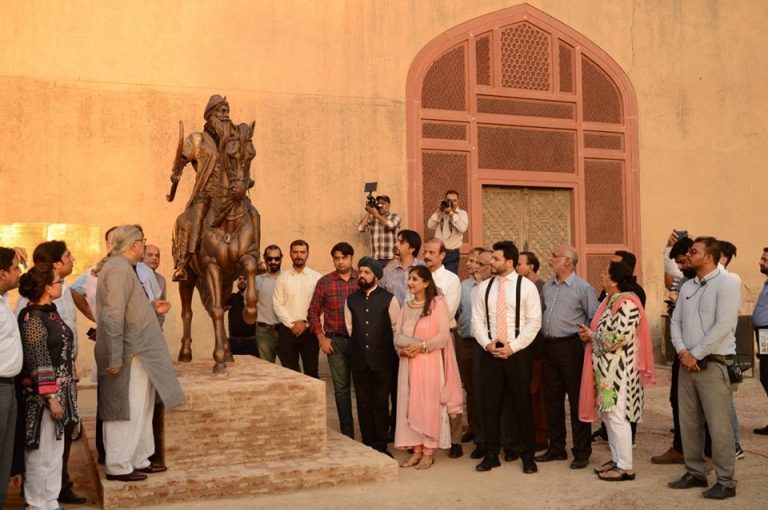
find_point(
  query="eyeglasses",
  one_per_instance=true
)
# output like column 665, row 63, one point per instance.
column 57, row 282
column 273, row 259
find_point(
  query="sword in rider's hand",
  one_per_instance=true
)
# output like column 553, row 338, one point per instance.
column 178, row 165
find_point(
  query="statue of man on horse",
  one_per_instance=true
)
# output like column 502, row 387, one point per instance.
column 216, row 237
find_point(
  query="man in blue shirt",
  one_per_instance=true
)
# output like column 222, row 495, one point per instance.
column 760, row 321
column 703, row 330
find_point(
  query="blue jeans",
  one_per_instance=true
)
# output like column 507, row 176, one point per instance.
column 338, row 362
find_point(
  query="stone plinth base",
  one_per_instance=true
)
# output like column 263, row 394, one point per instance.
column 258, row 430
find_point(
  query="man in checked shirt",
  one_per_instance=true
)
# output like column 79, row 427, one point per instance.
column 383, row 225
column 329, row 300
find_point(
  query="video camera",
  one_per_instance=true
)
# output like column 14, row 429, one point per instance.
column 370, row 200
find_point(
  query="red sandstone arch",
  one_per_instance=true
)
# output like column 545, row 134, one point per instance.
column 517, row 98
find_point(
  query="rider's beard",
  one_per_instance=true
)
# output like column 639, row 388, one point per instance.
column 218, row 125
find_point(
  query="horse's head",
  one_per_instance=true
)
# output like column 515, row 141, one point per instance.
column 238, row 154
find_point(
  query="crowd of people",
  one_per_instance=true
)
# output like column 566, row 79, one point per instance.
column 420, row 347
column 505, row 346
column 125, row 298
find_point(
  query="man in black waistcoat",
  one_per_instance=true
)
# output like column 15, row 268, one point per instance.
column 371, row 316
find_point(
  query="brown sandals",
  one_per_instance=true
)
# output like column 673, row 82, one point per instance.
column 623, row 475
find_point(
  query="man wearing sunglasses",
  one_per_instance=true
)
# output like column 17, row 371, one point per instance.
column 267, row 322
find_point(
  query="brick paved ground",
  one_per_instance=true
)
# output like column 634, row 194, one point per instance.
column 454, row 484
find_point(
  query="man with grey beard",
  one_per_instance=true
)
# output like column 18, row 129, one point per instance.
column 202, row 150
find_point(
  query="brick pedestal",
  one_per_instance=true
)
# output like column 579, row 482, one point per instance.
column 259, row 430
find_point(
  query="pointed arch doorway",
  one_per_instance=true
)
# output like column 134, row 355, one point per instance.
column 515, row 104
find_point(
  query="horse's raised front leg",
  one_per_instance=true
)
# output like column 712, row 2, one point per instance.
column 186, row 290
column 213, row 280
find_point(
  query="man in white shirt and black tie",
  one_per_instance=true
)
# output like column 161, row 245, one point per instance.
column 505, row 325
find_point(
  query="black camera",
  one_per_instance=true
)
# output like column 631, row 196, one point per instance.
column 446, row 204
column 370, row 200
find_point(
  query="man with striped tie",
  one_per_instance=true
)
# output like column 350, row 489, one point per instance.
column 506, row 316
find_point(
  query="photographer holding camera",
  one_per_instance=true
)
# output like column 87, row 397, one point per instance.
column 383, row 225
column 450, row 223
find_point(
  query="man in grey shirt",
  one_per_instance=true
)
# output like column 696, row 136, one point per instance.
column 703, row 330
column 267, row 322
column 568, row 302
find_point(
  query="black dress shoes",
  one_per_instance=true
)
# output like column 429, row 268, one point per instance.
column 719, row 491
column 68, row 496
column 135, row 476
column 489, row 462
column 151, row 470
column 579, row 463
column 456, row 451
column 529, row 467
column 477, row 453
column 549, row 456
column 511, row 455
column 688, row 481
column 762, row 431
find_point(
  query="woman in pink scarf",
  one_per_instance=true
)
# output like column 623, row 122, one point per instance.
column 428, row 386
column 617, row 353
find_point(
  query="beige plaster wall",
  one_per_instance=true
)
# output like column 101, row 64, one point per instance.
column 91, row 93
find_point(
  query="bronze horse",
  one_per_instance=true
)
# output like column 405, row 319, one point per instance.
column 229, row 245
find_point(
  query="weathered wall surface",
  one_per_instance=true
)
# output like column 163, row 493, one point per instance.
column 91, row 94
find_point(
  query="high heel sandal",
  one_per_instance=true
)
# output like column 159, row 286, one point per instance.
column 426, row 462
column 411, row 461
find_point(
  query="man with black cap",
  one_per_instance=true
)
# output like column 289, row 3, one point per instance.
column 202, row 150
column 371, row 317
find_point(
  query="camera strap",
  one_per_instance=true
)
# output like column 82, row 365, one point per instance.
column 518, row 292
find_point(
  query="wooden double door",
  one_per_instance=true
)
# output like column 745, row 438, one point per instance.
column 536, row 219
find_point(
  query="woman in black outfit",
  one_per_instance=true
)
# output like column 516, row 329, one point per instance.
column 47, row 385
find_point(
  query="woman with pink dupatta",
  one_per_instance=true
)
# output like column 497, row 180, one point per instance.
column 618, row 352
column 428, row 386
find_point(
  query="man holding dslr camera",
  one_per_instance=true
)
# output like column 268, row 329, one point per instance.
column 450, row 223
column 383, row 225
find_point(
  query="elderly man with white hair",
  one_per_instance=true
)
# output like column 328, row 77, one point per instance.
column 568, row 302
column 133, row 360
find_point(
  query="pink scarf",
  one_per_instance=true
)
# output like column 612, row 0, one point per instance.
column 645, row 361
column 425, row 397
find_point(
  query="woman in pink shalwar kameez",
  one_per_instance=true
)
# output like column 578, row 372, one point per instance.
column 428, row 386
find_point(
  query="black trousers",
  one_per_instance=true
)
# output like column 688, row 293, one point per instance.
column 677, row 440
column 563, row 361
column 305, row 346
column 158, row 431
column 66, row 481
column 243, row 346
column 393, row 396
column 508, row 381
column 372, row 390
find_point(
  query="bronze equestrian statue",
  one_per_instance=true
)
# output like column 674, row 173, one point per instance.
column 217, row 236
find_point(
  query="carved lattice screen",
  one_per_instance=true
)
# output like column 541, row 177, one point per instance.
column 535, row 127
